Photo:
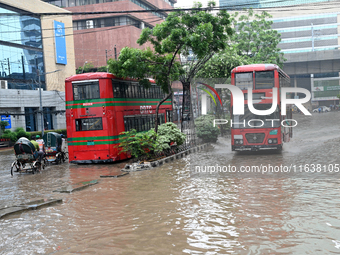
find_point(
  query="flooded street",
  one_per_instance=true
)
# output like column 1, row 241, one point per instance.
column 170, row 210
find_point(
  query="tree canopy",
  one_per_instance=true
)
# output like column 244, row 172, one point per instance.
column 255, row 39
column 198, row 33
column 253, row 42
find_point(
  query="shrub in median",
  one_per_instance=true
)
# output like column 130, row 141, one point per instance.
column 205, row 128
column 144, row 143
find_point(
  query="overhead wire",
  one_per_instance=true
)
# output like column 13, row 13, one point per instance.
column 241, row 5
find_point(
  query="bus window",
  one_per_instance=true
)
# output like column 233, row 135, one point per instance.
column 142, row 92
column 264, row 80
column 117, row 93
column 88, row 90
column 244, row 80
column 89, row 124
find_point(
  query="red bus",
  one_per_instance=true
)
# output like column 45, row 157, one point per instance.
column 99, row 106
column 255, row 132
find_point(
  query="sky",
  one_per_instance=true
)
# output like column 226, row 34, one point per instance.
column 189, row 3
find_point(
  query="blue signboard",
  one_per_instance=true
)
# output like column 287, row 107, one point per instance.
column 8, row 119
column 60, row 42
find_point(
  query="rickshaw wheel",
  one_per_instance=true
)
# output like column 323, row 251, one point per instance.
column 44, row 163
column 15, row 167
column 36, row 167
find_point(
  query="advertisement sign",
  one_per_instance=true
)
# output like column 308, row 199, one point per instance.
column 60, row 42
column 320, row 88
column 8, row 119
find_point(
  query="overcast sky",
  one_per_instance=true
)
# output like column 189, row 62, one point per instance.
column 189, row 3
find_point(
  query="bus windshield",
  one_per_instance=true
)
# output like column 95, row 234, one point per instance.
column 264, row 80
column 250, row 120
column 244, row 80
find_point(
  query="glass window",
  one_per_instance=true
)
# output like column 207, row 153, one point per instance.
column 264, row 80
column 259, row 121
column 89, row 124
column 122, row 21
column 20, row 29
column 89, row 90
column 109, row 22
column 244, row 80
column 117, row 92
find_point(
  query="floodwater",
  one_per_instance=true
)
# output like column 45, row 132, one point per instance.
column 170, row 210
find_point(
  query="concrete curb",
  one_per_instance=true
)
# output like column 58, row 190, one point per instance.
column 76, row 187
column 113, row 176
column 33, row 205
column 130, row 168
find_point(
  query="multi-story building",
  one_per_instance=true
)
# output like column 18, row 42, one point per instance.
column 310, row 33
column 36, row 51
column 98, row 37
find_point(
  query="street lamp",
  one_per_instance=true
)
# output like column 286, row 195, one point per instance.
column 40, row 107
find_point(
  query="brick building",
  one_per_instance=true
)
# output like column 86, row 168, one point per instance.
column 101, row 37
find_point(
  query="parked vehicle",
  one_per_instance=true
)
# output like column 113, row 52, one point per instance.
column 100, row 106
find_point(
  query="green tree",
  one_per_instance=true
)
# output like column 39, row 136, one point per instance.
column 218, row 68
column 197, row 33
column 86, row 68
column 255, row 39
column 3, row 125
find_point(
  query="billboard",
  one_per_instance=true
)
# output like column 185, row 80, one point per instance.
column 8, row 119
column 60, row 42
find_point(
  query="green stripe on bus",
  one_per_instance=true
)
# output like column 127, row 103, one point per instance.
column 113, row 99
column 94, row 143
column 90, row 101
column 93, row 138
column 112, row 104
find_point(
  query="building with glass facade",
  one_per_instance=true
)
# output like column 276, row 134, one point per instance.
column 310, row 40
column 36, row 51
column 241, row 4
column 98, row 38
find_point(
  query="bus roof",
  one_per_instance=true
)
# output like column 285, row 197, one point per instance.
column 255, row 67
column 99, row 75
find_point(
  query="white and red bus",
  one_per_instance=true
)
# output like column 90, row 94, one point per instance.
column 255, row 132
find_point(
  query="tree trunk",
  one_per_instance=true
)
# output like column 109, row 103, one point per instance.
column 186, row 103
column 157, row 109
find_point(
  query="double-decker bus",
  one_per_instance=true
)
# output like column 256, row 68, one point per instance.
column 255, row 132
column 99, row 106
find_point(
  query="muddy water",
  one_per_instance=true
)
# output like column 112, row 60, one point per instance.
column 167, row 210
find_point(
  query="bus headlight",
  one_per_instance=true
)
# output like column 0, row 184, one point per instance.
column 272, row 140
column 238, row 141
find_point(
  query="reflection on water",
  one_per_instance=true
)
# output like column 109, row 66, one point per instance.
column 165, row 211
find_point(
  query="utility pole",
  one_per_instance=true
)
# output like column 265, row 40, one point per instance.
column 23, row 67
column 106, row 51
column 9, row 67
column 40, row 107
column 115, row 52
column 312, row 37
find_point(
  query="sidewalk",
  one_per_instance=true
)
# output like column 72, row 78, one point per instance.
column 6, row 148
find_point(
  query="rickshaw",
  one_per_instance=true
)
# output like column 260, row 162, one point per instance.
column 53, row 149
column 26, row 157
